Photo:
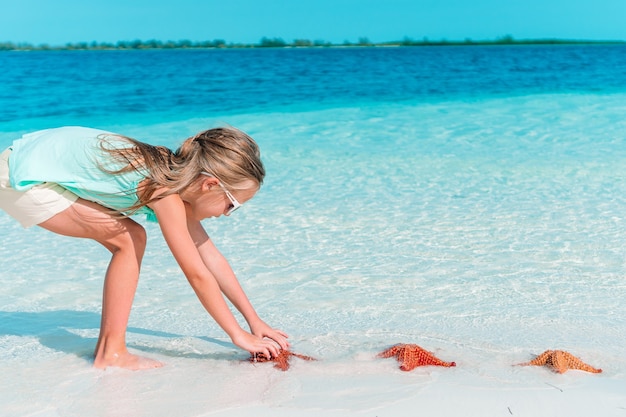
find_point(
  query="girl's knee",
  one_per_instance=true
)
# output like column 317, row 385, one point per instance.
column 138, row 235
column 132, row 237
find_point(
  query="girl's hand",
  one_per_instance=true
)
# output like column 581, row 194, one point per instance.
column 254, row 344
column 262, row 330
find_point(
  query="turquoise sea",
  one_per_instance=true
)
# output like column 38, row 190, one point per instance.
column 468, row 199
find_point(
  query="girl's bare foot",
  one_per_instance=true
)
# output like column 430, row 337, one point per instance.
column 126, row 360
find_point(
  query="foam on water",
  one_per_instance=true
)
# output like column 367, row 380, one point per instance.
column 484, row 230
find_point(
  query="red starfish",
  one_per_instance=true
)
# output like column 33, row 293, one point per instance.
column 281, row 361
column 411, row 356
column 560, row 361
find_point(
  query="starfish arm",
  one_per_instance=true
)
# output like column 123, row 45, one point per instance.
column 589, row 368
column 541, row 359
column 408, row 360
column 439, row 362
column 281, row 362
column 572, row 362
column 303, row 357
column 388, row 353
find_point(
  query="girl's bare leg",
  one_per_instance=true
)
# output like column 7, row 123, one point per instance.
column 126, row 240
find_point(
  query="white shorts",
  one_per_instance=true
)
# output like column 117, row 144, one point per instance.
column 35, row 205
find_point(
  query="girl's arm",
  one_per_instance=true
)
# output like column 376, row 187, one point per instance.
column 221, row 270
column 172, row 217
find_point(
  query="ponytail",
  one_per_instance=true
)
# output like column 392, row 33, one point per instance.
column 228, row 153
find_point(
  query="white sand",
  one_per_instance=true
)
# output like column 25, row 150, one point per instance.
column 223, row 385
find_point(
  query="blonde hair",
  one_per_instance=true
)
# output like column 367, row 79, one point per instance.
column 228, row 153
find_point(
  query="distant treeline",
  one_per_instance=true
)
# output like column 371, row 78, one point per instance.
column 280, row 43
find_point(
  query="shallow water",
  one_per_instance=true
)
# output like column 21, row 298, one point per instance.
column 484, row 227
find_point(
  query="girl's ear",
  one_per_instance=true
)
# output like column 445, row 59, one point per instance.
column 208, row 183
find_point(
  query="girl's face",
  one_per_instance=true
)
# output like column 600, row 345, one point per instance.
column 210, row 199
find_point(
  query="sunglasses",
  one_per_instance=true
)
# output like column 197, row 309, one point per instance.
column 234, row 204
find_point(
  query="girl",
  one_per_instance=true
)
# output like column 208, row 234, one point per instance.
column 84, row 182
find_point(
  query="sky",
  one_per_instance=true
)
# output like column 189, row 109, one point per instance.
column 57, row 22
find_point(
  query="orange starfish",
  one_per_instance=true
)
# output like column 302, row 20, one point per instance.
column 560, row 361
column 281, row 361
column 411, row 356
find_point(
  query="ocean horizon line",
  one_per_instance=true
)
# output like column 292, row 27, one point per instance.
column 278, row 42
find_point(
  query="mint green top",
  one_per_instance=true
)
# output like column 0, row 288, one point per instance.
column 72, row 157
